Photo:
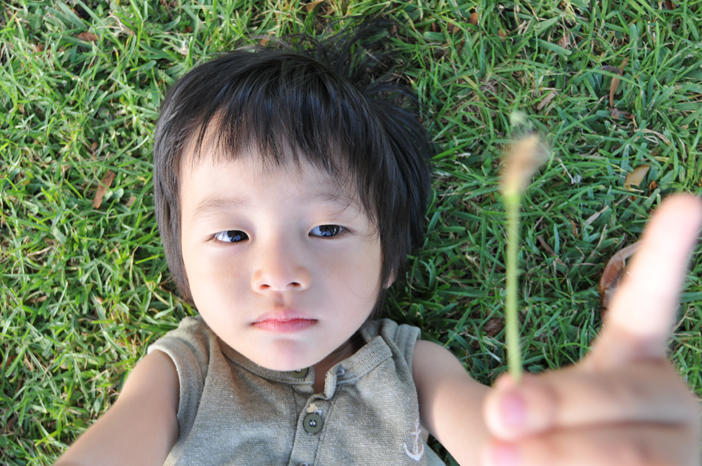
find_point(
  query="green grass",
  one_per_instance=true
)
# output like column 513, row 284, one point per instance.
column 85, row 290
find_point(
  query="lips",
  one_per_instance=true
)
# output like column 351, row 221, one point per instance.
column 284, row 322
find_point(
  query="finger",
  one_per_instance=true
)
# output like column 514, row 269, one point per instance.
column 643, row 308
column 648, row 392
column 620, row 445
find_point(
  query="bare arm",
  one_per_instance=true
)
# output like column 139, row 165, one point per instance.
column 141, row 427
column 450, row 402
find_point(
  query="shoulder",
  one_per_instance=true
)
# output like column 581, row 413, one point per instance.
column 400, row 338
column 192, row 343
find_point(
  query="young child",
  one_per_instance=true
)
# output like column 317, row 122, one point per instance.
column 288, row 193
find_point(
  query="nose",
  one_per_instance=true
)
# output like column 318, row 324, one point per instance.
column 280, row 268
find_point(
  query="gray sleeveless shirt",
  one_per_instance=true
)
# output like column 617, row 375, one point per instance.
column 234, row 412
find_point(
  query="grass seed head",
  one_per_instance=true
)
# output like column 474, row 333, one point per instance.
column 523, row 158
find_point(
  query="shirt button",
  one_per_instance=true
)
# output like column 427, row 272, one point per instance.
column 312, row 423
column 300, row 373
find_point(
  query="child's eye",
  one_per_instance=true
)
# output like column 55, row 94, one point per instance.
column 231, row 236
column 326, row 231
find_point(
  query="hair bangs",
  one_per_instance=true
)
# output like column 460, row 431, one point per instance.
column 292, row 111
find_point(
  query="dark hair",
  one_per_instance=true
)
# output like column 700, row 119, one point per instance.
column 333, row 103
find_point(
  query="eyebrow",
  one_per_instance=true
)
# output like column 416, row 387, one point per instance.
column 211, row 206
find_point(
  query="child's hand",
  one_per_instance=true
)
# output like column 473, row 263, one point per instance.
column 624, row 404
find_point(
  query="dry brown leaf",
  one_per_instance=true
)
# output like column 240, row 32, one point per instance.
column 473, row 18
column 652, row 186
column 668, row 5
column 88, row 36
column 613, row 273
column 263, row 42
column 102, row 189
column 575, row 229
column 616, row 114
column 493, row 326
column 615, row 84
column 546, row 100
column 131, row 201
column 502, row 34
column 564, row 41
column 452, row 28
column 39, row 48
column 636, row 177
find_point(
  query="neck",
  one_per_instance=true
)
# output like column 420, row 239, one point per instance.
column 343, row 352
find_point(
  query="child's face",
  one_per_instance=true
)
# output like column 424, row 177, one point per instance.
column 269, row 269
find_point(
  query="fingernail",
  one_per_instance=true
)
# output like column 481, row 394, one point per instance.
column 513, row 409
column 503, row 454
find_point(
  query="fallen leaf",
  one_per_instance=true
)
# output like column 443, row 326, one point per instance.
column 617, row 114
column 546, row 100
column 263, row 42
column 40, row 48
column 615, row 84
column 87, row 36
column 188, row 29
column 612, row 275
column 652, row 186
column 668, row 5
column 452, row 28
column 131, row 201
column 575, row 229
column 102, row 189
column 502, row 34
column 493, row 326
column 564, row 41
column 13, row 418
column 94, row 146
column 473, row 18
column 636, row 177
column 40, row 299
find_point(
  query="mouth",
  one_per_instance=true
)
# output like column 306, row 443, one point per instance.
column 284, row 323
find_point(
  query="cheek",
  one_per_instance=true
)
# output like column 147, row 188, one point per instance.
column 356, row 274
column 212, row 275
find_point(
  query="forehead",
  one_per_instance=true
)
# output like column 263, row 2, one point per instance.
column 212, row 183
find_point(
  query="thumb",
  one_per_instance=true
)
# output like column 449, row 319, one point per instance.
column 643, row 309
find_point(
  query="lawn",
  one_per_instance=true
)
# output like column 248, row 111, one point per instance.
column 612, row 86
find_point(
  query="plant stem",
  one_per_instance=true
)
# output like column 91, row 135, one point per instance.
column 512, row 204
